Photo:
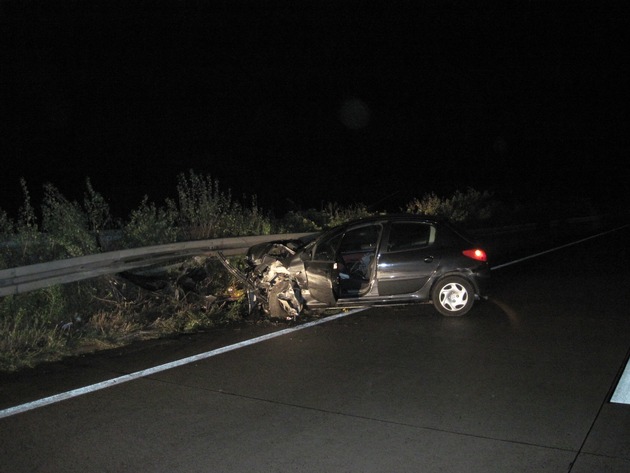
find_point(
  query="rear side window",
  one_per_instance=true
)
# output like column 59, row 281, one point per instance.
column 410, row 235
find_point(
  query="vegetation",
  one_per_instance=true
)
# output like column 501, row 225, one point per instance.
column 461, row 207
column 187, row 295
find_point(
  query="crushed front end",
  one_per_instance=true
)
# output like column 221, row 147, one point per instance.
column 271, row 288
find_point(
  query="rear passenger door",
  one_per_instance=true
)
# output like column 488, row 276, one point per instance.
column 408, row 258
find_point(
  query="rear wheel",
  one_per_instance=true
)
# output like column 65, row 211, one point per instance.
column 453, row 296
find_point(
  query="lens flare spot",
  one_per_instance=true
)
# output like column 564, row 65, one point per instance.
column 354, row 114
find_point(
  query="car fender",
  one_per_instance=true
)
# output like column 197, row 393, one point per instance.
column 463, row 273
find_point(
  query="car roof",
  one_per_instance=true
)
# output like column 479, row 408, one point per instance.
column 391, row 217
column 405, row 217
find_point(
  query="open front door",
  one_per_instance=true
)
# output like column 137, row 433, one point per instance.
column 322, row 270
column 349, row 254
column 323, row 281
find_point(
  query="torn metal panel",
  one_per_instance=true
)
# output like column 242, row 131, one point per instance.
column 271, row 288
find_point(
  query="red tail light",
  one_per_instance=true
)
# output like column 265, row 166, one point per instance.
column 476, row 254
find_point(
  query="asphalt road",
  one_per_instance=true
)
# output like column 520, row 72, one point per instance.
column 521, row 384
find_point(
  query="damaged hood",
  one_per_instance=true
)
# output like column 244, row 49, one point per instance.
column 276, row 250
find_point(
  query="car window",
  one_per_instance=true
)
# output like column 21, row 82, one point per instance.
column 326, row 249
column 357, row 252
column 410, row 235
column 361, row 239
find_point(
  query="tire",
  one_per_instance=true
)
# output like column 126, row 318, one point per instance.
column 453, row 296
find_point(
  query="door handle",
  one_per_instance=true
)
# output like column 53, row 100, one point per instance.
column 428, row 259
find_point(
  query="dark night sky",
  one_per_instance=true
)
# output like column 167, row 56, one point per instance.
column 340, row 101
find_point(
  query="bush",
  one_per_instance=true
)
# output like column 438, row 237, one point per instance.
column 66, row 227
column 97, row 212
column 331, row 214
column 149, row 225
column 462, row 207
column 21, row 240
column 6, row 240
column 204, row 211
column 32, row 327
column 336, row 214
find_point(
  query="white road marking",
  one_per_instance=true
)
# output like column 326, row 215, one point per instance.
column 622, row 391
column 556, row 248
column 167, row 366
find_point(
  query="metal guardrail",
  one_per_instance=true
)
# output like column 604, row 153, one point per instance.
column 36, row 276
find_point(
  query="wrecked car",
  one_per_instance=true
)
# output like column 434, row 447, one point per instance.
column 382, row 260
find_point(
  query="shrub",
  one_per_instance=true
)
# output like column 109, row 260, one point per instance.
column 32, row 327
column 149, row 225
column 66, row 227
column 468, row 206
column 330, row 215
column 6, row 239
column 298, row 222
column 22, row 240
column 204, row 211
column 336, row 214
column 97, row 212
